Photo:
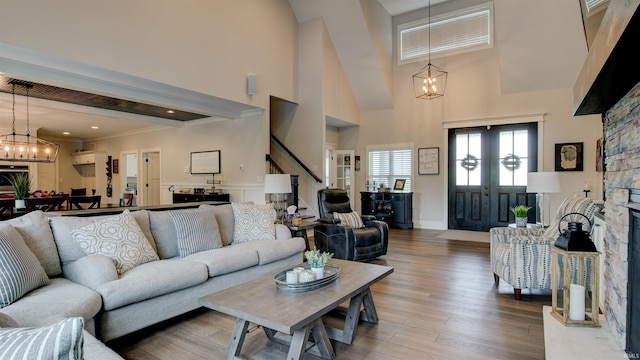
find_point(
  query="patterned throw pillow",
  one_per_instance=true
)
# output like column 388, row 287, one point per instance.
column 62, row 340
column 20, row 270
column 119, row 238
column 349, row 219
column 196, row 230
column 253, row 222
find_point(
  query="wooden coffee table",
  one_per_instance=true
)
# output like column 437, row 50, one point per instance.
column 295, row 315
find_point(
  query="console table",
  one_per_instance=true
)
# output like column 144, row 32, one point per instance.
column 179, row 198
column 394, row 208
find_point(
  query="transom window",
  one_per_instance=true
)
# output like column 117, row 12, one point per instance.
column 387, row 164
column 456, row 32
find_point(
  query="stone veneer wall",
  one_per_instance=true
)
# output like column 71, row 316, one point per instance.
column 622, row 161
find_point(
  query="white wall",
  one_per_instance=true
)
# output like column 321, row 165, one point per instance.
column 204, row 46
column 473, row 92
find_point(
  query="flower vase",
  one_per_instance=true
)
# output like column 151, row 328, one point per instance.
column 318, row 272
column 521, row 222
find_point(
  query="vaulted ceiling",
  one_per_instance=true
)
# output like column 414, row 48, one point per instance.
column 524, row 56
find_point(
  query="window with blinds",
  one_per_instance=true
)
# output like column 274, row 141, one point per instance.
column 456, row 32
column 388, row 165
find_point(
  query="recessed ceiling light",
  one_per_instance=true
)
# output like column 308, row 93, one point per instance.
column 66, row 133
column 95, row 127
column 170, row 112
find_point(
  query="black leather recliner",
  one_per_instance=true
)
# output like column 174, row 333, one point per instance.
column 345, row 242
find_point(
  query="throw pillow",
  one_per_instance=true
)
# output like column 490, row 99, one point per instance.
column 20, row 270
column 62, row 340
column 119, row 238
column 349, row 219
column 36, row 233
column 196, row 231
column 253, row 222
column 224, row 217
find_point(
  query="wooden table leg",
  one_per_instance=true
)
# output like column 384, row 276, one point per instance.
column 322, row 340
column 348, row 333
column 298, row 342
column 237, row 339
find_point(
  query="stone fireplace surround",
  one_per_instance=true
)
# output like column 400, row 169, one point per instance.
column 622, row 174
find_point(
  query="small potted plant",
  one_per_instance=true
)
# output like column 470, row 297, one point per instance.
column 21, row 185
column 317, row 260
column 521, row 211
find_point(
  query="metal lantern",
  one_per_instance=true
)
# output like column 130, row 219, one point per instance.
column 574, row 277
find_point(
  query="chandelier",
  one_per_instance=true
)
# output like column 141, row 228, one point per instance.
column 430, row 81
column 23, row 146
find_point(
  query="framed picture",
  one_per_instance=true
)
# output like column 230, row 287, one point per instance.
column 357, row 164
column 569, row 157
column 115, row 166
column 205, row 162
column 429, row 161
column 399, row 185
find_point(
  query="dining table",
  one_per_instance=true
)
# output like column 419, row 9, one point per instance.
column 45, row 203
column 93, row 201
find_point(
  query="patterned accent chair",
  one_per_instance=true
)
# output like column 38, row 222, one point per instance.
column 522, row 256
column 345, row 242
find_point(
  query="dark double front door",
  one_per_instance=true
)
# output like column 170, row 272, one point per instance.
column 488, row 169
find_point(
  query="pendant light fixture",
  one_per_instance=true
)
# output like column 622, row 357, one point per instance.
column 24, row 147
column 430, row 81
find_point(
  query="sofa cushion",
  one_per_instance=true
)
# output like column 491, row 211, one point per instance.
column 68, row 249
column 20, row 270
column 224, row 217
column 118, row 237
column 226, row 260
column 164, row 233
column 36, row 233
column 253, row 222
column 62, row 340
column 270, row 251
column 7, row 321
column 61, row 299
column 150, row 280
column 142, row 218
column 195, row 231
column 351, row 219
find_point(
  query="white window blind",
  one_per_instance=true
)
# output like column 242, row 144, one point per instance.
column 388, row 165
column 460, row 31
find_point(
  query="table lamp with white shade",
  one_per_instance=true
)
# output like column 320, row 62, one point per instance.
column 278, row 184
column 543, row 183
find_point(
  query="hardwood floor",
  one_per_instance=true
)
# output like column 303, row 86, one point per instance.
column 440, row 303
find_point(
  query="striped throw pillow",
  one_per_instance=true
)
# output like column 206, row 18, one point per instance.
column 62, row 340
column 196, row 231
column 20, row 270
column 351, row 219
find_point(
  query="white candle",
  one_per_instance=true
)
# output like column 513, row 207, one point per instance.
column 576, row 302
column 292, row 277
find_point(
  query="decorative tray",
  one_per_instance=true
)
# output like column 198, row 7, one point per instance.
column 330, row 275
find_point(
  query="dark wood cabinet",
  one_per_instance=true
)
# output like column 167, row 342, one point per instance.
column 179, row 198
column 392, row 207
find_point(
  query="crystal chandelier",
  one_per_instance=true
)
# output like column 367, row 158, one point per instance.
column 25, row 147
column 430, row 81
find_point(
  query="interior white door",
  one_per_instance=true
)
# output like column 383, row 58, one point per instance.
column 341, row 173
column 151, row 178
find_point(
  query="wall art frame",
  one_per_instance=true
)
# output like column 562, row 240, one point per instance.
column 569, row 157
column 429, row 161
column 205, row 162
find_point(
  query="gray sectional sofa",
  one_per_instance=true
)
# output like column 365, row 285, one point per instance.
column 188, row 253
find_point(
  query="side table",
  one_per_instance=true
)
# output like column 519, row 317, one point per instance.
column 301, row 230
